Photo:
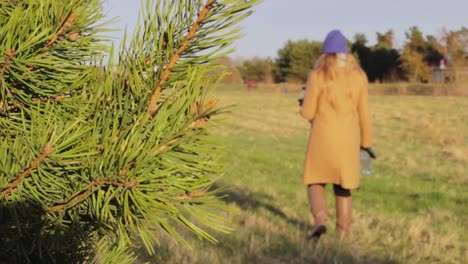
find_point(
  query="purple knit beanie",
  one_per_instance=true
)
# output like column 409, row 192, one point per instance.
column 335, row 42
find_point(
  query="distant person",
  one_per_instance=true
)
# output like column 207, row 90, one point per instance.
column 250, row 85
column 336, row 105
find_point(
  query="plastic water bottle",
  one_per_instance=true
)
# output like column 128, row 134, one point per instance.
column 366, row 163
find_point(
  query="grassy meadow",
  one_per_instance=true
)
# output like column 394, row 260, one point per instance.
column 413, row 209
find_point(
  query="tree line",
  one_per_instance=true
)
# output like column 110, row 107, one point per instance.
column 423, row 58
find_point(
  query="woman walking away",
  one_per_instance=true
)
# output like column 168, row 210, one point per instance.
column 336, row 105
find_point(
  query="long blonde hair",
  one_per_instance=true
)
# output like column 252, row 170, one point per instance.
column 328, row 68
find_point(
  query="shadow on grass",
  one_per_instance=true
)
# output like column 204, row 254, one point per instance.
column 285, row 249
column 257, row 244
column 246, row 200
column 26, row 237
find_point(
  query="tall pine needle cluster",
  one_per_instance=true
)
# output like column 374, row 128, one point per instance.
column 98, row 156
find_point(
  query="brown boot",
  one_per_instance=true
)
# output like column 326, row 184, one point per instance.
column 343, row 216
column 318, row 207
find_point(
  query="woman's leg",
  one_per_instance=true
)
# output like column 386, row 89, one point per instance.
column 343, row 211
column 318, row 207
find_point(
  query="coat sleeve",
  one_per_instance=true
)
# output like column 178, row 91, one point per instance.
column 309, row 107
column 364, row 114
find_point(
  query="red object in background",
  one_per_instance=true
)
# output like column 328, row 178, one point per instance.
column 249, row 85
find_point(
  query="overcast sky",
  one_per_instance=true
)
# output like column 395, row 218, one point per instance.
column 276, row 21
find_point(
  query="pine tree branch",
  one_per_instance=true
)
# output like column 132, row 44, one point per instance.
column 14, row 184
column 65, row 25
column 163, row 147
column 152, row 106
column 169, row 144
column 6, row 65
column 15, row 106
column 92, row 187
column 126, row 170
column 201, row 121
column 155, row 55
column 190, row 195
column 7, row 62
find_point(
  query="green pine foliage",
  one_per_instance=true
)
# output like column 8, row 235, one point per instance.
column 97, row 158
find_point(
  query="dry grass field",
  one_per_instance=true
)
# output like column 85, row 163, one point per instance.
column 413, row 209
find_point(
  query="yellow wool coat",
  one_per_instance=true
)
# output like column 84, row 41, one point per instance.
column 340, row 124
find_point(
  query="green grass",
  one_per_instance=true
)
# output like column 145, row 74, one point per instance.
column 394, row 89
column 412, row 210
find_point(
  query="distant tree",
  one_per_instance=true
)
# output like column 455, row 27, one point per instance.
column 419, row 55
column 385, row 58
column 430, row 47
column 412, row 62
column 257, row 69
column 385, row 63
column 413, row 57
column 434, row 51
column 231, row 73
column 381, row 61
column 363, row 52
column 296, row 59
column 283, row 62
column 360, row 39
column 415, row 40
column 456, row 48
column 385, row 40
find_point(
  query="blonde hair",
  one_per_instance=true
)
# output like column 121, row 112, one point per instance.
column 327, row 65
column 327, row 69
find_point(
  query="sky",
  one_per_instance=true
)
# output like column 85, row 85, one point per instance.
column 274, row 22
